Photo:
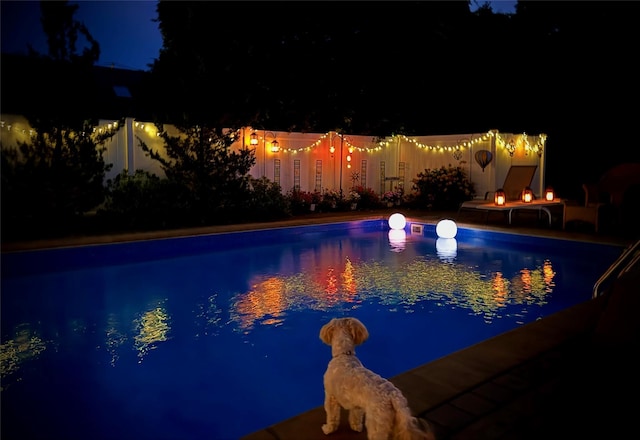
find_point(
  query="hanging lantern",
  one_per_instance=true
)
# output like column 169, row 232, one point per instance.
column 483, row 158
column 549, row 195
column 275, row 146
column 527, row 195
column 500, row 198
column 254, row 138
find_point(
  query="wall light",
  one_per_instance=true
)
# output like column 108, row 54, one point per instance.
column 254, row 139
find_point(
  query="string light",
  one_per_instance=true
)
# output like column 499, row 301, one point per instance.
column 510, row 146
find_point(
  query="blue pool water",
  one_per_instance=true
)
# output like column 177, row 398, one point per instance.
column 217, row 336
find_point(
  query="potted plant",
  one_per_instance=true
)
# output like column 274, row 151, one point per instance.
column 331, row 197
column 353, row 198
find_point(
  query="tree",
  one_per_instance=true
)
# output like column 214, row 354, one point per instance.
column 327, row 68
column 216, row 178
column 63, row 32
column 49, row 182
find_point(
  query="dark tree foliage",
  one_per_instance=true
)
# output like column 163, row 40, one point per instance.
column 63, row 32
column 306, row 65
column 216, row 178
column 49, row 182
column 144, row 201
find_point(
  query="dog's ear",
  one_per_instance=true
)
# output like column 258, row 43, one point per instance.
column 326, row 332
column 358, row 331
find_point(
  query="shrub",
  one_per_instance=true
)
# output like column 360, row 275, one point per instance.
column 443, row 188
column 145, row 201
column 266, row 202
column 300, row 201
column 368, row 198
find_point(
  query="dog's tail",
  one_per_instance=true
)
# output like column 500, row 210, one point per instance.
column 406, row 426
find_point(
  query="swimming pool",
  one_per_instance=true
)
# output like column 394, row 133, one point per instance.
column 217, row 336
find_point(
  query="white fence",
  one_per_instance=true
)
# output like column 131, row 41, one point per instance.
column 325, row 161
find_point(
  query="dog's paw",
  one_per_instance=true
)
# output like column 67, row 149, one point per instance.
column 328, row 429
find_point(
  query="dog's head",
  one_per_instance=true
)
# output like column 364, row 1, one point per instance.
column 352, row 327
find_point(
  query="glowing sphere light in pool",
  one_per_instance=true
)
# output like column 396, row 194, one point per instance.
column 446, row 229
column 397, row 221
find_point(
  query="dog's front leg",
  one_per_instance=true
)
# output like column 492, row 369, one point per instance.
column 356, row 419
column 332, row 408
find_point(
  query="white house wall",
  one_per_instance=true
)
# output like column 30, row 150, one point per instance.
column 318, row 167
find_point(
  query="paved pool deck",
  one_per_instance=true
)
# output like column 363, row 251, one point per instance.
column 570, row 375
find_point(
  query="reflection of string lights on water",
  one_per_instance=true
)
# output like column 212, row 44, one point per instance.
column 332, row 282
column 211, row 314
column 501, row 289
column 348, row 278
column 447, row 249
column 397, row 239
column 266, row 299
column 26, row 346
column 419, row 280
column 114, row 338
column 152, row 327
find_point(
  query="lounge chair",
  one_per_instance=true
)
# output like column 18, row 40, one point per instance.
column 608, row 194
column 518, row 177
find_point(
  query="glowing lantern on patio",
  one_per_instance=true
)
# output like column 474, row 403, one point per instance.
column 527, row 195
column 549, row 195
column 500, row 198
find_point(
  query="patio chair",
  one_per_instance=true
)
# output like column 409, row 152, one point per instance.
column 518, row 177
column 606, row 196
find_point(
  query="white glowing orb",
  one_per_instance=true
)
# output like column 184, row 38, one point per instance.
column 397, row 221
column 446, row 229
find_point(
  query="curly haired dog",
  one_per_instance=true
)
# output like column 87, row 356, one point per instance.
column 368, row 397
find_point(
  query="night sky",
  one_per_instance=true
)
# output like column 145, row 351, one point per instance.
column 125, row 30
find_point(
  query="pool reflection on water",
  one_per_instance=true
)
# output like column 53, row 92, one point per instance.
column 217, row 336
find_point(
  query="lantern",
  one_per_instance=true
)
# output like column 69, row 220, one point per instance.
column 275, row 146
column 254, row 138
column 500, row 197
column 527, row 195
column 549, row 196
